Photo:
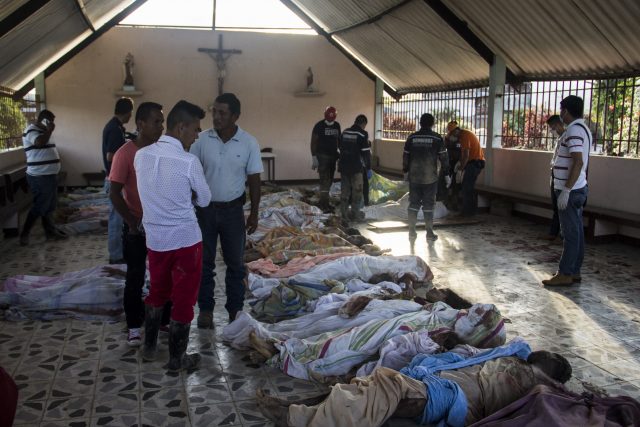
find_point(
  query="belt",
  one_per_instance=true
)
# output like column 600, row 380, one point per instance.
column 235, row 202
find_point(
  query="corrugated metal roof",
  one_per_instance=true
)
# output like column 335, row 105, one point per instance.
column 543, row 38
column 413, row 48
column 7, row 7
column 48, row 33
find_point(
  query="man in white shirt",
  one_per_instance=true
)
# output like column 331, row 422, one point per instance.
column 570, row 183
column 43, row 165
column 230, row 157
column 170, row 182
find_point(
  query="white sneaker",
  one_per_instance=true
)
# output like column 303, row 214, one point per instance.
column 134, row 339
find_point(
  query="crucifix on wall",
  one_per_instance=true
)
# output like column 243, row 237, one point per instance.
column 220, row 56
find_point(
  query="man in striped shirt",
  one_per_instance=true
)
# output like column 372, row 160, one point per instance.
column 43, row 165
column 570, row 185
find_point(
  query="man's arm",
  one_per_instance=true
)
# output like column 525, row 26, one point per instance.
column 254, row 196
column 114, row 141
column 43, row 139
column 314, row 144
column 576, row 168
column 115, row 194
column 200, row 192
column 406, row 156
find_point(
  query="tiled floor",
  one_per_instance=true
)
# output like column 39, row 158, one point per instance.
column 81, row 373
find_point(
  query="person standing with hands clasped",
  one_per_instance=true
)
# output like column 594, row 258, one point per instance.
column 170, row 182
column 230, row 157
column 570, row 184
column 325, row 138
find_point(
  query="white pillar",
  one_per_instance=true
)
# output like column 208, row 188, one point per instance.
column 497, row 73
column 379, row 108
column 39, row 85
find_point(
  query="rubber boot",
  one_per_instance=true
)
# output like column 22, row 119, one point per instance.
column 26, row 228
column 153, row 317
column 178, row 341
column 344, row 210
column 413, row 220
column 428, row 225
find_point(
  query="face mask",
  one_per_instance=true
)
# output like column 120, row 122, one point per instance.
column 453, row 138
column 328, row 123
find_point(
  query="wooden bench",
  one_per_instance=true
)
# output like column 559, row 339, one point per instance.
column 592, row 213
column 94, row 176
column 16, row 197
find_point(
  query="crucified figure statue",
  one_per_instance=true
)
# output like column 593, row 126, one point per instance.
column 220, row 56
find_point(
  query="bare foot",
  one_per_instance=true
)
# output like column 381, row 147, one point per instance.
column 272, row 408
column 257, row 357
column 262, row 346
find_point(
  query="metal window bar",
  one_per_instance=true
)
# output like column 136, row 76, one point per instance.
column 468, row 106
column 14, row 117
column 611, row 111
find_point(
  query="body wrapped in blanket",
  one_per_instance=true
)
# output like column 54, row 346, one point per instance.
column 455, row 390
column 334, row 353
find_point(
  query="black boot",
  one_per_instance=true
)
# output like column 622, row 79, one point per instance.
column 26, row 228
column 51, row 231
column 412, row 215
column 178, row 341
column 153, row 316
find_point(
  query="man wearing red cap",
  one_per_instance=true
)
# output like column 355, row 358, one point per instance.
column 324, row 151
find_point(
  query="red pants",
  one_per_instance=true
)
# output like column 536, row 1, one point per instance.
column 8, row 399
column 175, row 276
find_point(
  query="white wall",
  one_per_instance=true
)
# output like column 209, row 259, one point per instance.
column 168, row 67
column 613, row 181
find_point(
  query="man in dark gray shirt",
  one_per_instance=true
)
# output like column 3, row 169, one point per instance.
column 422, row 152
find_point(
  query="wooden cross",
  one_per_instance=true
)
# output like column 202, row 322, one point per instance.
column 220, row 56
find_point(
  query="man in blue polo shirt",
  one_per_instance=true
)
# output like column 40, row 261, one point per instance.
column 230, row 157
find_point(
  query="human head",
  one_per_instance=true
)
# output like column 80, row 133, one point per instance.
column 183, row 122
column 361, row 121
column 451, row 126
column 571, row 108
column 552, row 364
column 427, row 121
column 555, row 123
column 149, row 120
column 46, row 114
column 330, row 114
column 226, row 111
column 124, row 107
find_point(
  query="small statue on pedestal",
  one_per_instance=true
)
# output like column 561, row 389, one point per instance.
column 128, row 73
column 310, row 87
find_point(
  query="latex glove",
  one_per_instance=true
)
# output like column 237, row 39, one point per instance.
column 447, row 180
column 369, row 173
column 563, row 199
column 459, row 176
column 314, row 162
column 456, row 168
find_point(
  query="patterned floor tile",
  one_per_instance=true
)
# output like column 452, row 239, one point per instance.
column 245, row 389
column 249, row 412
column 205, row 375
column 596, row 376
column 155, row 380
column 223, row 414
column 37, row 390
column 75, row 422
column 177, row 418
column 202, row 394
column 68, row 386
column 29, row 412
column 73, row 407
column 117, row 383
column 287, row 386
column 124, row 420
column 171, row 399
column 121, row 403
column 623, row 389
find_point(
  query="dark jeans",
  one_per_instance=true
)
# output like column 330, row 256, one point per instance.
column 469, row 196
column 554, row 228
column 423, row 195
column 45, row 192
column 572, row 232
column 326, row 171
column 227, row 223
column 134, row 248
